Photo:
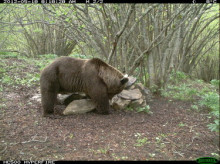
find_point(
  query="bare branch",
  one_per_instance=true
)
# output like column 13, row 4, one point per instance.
column 117, row 36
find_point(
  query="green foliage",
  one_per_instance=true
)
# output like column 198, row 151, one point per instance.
column 154, row 88
column 5, row 55
column 42, row 64
column 181, row 124
column 145, row 109
column 129, row 108
column 100, row 150
column 195, row 107
column 48, row 56
column 14, row 74
column 140, row 140
column 215, row 83
column 151, row 28
column 44, row 60
column 211, row 101
column 29, row 79
column 201, row 93
column 81, row 27
column 183, row 88
column 216, row 155
column 176, row 91
column 214, row 126
column 177, row 76
column 6, row 79
column 2, row 70
column 37, row 30
column 80, row 56
column 180, row 92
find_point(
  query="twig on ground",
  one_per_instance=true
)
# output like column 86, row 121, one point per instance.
column 4, row 149
column 191, row 141
column 31, row 140
column 34, row 140
column 181, row 154
column 191, row 128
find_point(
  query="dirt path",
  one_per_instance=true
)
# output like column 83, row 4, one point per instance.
column 172, row 132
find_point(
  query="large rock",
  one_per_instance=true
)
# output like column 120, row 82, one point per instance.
column 66, row 99
column 146, row 93
column 131, row 81
column 132, row 94
column 79, row 106
column 119, row 103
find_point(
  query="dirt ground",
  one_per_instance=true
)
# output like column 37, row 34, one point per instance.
column 172, row 132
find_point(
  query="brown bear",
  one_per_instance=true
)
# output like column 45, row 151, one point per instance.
column 95, row 78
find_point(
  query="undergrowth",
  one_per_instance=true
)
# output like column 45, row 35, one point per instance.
column 201, row 94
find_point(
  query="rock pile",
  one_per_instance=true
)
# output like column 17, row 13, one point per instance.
column 134, row 97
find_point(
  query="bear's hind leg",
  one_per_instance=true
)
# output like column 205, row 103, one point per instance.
column 48, row 100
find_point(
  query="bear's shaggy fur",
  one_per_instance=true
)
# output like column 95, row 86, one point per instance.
column 94, row 77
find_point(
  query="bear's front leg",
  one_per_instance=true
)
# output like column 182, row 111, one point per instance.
column 102, row 106
column 98, row 93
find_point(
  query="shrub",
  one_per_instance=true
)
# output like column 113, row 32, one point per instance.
column 177, row 76
column 211, row 101
column 145, row 109
column 215, row 83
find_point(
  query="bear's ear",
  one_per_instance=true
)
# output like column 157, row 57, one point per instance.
column 124, row 79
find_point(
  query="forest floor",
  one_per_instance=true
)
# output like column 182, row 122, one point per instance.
column 173, row 132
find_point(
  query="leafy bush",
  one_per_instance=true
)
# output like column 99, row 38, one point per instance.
column 145, row 109
column 179, row 92
column 177, row 76
column 215, row 82
column 193, row 90
column 211, row 101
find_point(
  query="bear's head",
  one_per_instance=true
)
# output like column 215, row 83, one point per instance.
column 114, row 79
